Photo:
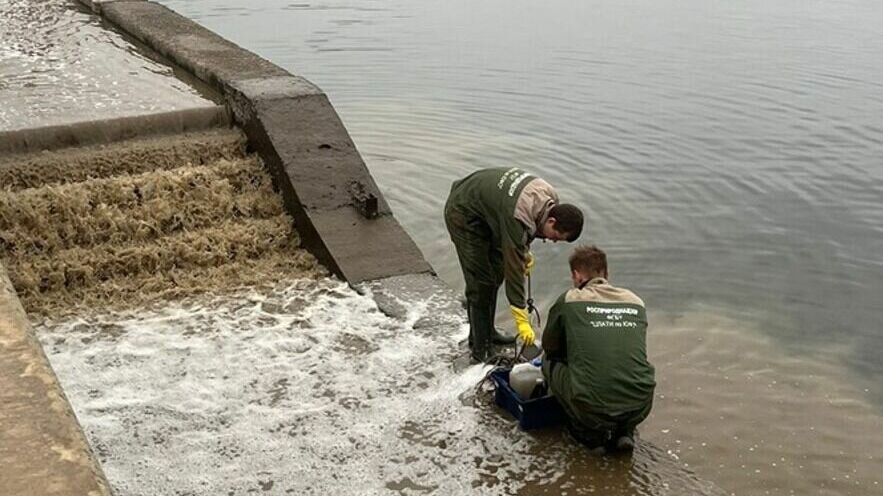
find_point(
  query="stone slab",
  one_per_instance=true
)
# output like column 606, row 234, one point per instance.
column 362, row 250
column 397, row 296
column 42, row 448
column 111, row 130
column 317, row 153
column 275, row 88
column 324, row 181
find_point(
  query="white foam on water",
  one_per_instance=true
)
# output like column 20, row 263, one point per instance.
column 309, row 389
column 305, row 389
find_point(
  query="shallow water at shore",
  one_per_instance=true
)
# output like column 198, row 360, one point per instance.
column 310, row 388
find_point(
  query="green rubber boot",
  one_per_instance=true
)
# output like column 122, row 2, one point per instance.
column 481, row 324
column 498, row 337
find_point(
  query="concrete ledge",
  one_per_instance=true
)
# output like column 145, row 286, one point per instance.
column 367, row 250
column 341, row 213
column 95, row 5
column 107, row 131
column 395, row 297
column 42, row 449
column 206, row 55
column 315, row 151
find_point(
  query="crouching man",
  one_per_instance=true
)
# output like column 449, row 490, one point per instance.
column 596, row 355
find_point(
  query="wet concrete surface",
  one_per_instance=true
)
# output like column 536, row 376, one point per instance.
column 60, row 65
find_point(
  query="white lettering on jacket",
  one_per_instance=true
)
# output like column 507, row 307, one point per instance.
column 506, row 176
column 517, row 181
column 615, row 311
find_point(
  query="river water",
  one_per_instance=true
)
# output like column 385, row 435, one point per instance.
column 727, row 155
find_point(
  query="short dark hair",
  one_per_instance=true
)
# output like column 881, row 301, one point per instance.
column 589, row 260
column 568, row 220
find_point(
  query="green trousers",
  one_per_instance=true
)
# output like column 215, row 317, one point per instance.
column 481, row 261
column 480, row 258
column 592, row 427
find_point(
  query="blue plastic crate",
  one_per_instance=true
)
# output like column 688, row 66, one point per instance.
column 531, row 414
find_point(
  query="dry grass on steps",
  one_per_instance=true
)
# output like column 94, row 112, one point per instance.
column 35, row 170
column 139, row 223
column 227, row 243
column 145, row 289
column 143, row 207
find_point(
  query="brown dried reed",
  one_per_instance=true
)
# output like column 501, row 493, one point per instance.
column 123, row 234
column 127, row 157
column 40, row 221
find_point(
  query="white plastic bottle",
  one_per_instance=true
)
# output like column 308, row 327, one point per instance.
column 523, row 378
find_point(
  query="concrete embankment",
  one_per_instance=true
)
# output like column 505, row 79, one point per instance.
column 341, row 213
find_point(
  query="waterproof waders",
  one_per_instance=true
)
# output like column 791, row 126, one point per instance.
column 482, row 264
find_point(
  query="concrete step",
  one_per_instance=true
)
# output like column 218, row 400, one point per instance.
column 121, row 224
column 44, row 220
column 34, row 170
column 64, row 278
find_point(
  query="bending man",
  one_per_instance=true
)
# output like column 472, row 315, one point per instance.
column 596, row 355
column 492, row 216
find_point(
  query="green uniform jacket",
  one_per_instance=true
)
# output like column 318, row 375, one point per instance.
column 514, row 204
column 600, row 331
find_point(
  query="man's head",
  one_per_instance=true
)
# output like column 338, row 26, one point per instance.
column 586, row 263
column 564, row 223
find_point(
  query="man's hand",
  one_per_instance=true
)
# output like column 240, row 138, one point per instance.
column 522, row 324
column 528, row 263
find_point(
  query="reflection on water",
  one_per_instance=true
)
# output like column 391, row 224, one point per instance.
column 727, row 154
column 59, row 65
column 311, row 389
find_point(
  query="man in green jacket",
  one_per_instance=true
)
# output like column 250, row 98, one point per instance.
column 596, row 355
column 492, row 216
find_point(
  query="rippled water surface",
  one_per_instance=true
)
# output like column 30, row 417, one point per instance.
column 58, row 65
column 727, row 155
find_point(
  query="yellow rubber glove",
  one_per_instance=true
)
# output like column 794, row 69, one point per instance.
column 522, row 324
column 528, row 263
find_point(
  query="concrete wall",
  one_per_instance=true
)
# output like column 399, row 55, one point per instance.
column 42, row 448
column 339, row 210
column 106, row 131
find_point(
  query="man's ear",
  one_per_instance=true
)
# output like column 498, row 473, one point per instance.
column 576, row 277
